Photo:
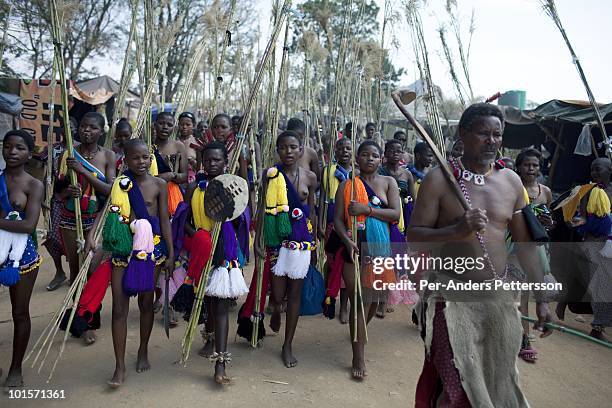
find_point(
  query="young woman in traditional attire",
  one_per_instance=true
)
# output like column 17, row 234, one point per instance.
column 405, row 182
column 95, row 168
column 289, row 218
column 225, row 282
column 221, row 131
column 423, row 160
column 187, row 124
column 333, row 175
column 20, row 202
column 123, row 133
column 589, row 214
column 53, row 242
column 87, row 318
column 539, row 198
column 376, row 206
column 310, row 158
column 137, row 234
column 170, row 163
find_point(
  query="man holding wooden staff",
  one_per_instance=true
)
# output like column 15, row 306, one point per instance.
column 472, row 346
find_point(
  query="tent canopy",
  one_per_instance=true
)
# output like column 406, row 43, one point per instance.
column 531, row 127
column 557, row 125
column 97, row 91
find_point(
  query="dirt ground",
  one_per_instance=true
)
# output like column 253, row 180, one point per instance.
column 572, row 372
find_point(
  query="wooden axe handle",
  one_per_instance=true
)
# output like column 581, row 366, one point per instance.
column 446, row 170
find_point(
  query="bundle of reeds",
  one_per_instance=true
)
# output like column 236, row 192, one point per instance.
column 46, row 338
column 422, row 57
column 160, row 57
column 219, row 64
column 186, row 87
column 451, row 66
column 127, row 71
column 56, row 32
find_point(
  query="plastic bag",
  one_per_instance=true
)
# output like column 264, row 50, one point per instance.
column 583, row 145
column 313, row 293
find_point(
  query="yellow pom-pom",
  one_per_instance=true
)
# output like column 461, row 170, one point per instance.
column 153, row 170
column 328, row 300
column 599, row 202
column 526, row 196
column 156, row 239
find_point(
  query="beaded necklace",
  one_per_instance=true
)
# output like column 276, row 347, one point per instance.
column 478, row 179
column 483, row 247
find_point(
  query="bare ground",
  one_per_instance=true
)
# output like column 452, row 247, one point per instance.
column 572, row 372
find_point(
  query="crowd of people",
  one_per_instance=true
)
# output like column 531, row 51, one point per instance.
column 379, row 197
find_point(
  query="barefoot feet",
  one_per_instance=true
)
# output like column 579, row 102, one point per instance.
column 157, row 306
column 14, row 378
column 118, row 378
column 288, row 359
column 381, row 309
column 142, row 364
column 344, row 313
column 89, row 337
column 358, row 370
column 220, row 376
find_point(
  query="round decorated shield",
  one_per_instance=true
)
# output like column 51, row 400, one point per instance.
column 226, row 197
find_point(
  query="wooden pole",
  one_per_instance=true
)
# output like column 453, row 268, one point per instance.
column 357, row 301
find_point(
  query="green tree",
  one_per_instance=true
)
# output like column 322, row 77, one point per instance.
column 91, row 29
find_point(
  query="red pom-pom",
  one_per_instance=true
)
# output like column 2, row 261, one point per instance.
column 500, row 164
